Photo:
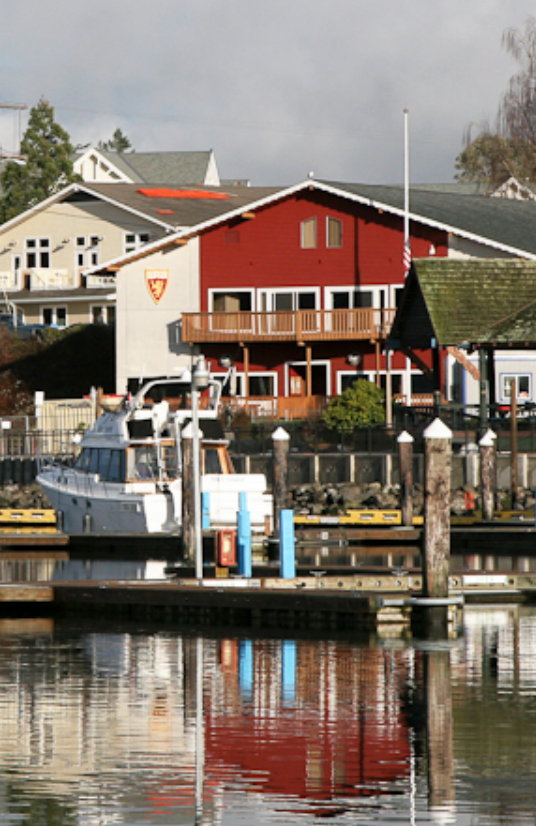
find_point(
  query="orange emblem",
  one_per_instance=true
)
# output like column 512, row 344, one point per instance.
column 157, row 281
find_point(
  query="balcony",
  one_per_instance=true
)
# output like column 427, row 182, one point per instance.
column 100, row 281
column 9, row 280
column 45, row 278
column 299, row 326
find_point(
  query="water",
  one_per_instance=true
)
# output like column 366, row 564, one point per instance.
column 160, row 726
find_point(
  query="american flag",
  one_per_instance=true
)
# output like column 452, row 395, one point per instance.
column 406, row 258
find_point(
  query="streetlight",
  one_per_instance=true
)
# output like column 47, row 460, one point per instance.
column 200, row 381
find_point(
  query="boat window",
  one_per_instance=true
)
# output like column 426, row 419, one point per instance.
column 104, row 462
column 116, row 470
column 93, row 466
column 82, row 460
column 142, row 462
column 212, row 461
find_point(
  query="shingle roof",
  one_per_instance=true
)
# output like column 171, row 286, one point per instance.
column 506, row 222
column 467, row 301
column 177, row 212
column 162, row 167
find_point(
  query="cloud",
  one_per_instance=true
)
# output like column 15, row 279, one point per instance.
column 275, row 87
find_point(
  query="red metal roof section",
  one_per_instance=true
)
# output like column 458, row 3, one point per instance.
column 159, row 192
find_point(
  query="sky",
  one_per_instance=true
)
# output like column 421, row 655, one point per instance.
column 278, row 89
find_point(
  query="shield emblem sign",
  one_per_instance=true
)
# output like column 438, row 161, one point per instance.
column 156, row 281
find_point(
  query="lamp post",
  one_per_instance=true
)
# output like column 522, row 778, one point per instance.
column 200, row 380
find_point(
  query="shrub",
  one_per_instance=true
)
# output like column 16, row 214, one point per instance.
column 360, row 405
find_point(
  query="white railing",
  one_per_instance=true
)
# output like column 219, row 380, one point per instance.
column 9, row 280
column 100, row 281
column 43, row 278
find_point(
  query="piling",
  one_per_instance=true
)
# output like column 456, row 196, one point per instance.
column 281, row 445
column 439, row 731
column 513, row 441
column 405, row 459
column 438, row 460
column 243, row 540
column 488, row 474
column 287, row 545
column 188, row 493
column 430, row 614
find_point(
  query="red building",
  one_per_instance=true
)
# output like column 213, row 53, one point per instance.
column 296, row 288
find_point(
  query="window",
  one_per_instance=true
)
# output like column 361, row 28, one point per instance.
column 350, row 298
column 135, row 240
column 231, row 301
column 308, row 234
column 334, row 233
column 523, row 384
column 54, row 316
column 37, row 252
column 290, row 300
column 102, row 314
column 87, row 251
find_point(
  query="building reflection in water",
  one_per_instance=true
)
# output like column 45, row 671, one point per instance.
column 167, row 728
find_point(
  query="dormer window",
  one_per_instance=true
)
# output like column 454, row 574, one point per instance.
column 308, row 234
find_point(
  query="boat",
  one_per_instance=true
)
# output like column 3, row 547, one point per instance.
column 127, row 476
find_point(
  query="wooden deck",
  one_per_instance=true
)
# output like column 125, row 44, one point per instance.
column 364, row 324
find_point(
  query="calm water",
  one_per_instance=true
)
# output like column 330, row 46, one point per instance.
column 161, row 727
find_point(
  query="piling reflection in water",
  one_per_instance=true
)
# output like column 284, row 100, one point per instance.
column 164, row 728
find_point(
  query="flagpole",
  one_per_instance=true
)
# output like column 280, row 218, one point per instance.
column 407, row 248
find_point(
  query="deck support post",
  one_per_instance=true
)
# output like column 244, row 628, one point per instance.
column 488, row 474
column 281, row 445
column 405, row 461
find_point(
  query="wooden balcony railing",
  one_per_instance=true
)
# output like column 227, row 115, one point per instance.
column 300, row 325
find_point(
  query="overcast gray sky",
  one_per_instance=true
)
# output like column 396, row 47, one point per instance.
column 278, row 88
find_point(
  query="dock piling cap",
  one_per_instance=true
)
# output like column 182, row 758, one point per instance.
column 437, row 430
column 280, row 434
column 405, row 438
column 488, row 439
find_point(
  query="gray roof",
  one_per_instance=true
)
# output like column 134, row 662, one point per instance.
column 506, row 222
column 162, row 167
column 176, row 211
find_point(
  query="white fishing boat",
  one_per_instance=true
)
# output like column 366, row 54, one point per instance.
column 127, row 476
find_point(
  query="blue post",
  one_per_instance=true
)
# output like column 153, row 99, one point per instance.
column 287, row 554
column 245, row 668
column 288, row 670
column 243, row 540
column 205, row 511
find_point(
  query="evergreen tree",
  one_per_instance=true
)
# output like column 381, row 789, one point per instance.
column 118, row 143
column 48, row 166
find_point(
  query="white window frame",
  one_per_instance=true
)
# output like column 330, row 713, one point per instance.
column 132, row 246
column 88, row 251
column 266, row 296
column 377, row 291
column 54, row 310
column 38, row 250
column 506, row 378
column 314, row 363
column 370, row 375
column 217, row 290
column 104, row 308
column 338, row 221
column 240, row 378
